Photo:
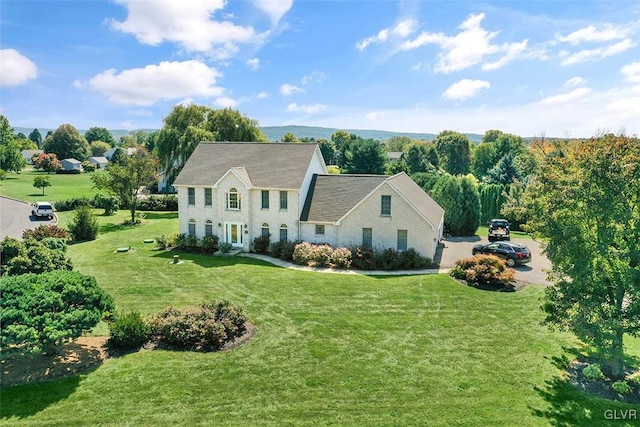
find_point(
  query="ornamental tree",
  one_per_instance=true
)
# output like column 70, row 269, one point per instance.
column 585, row 204
column 42, row 311
column 41, row 182
column 46, row 162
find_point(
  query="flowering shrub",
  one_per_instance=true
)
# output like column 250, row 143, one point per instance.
column 341, row 258
column 483, row 269
column 44, row 231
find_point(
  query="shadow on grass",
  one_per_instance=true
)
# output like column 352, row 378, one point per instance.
column 569, row 406
column 160, row 215
column 110, row 227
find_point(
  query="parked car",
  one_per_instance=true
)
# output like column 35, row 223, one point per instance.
column 499, row 230
column 513, row 253
column 42, row 209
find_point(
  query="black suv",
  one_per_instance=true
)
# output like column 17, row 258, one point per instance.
column 499, row 230
column 513, row 253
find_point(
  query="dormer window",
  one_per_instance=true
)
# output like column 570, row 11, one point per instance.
column 233, row 199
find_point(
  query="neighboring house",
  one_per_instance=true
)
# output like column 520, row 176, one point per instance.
column 71, row 164
column 101, row 162
column 240, row 191
column 128, row 151
column 394, row 156
column 28, row 154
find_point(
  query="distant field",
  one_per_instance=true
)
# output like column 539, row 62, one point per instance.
column 20, row 186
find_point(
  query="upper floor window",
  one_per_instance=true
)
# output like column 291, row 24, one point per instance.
column 192, row 227
column 319, row 229
column 208, row 198
column 265, row 199
column 402, row 240
column 283, row 201
column 385, row 206
column 208, row 228
column 233, row 199
column 192, row 195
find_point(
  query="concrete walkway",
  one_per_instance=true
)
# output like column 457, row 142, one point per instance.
column 285, row 264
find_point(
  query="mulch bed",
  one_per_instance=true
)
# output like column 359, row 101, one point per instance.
column 514, row 286
column 601, row 387
column 76, row 357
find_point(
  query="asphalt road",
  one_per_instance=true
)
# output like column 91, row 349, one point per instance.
column 15, row 217
column 460, row 247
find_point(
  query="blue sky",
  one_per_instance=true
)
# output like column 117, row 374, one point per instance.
column 554, row 68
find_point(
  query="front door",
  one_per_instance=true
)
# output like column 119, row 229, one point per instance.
column 233, row 233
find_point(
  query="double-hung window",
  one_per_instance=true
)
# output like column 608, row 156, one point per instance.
column 265, row 199
column 233, row 200
column 191, row 192
column 402, row 240
column 283, row 233
column 284, row 203
column 385, row 206
column 192, row 227
column 367, row 237
column 208, row 228
column 265, row 230
column 208, row 198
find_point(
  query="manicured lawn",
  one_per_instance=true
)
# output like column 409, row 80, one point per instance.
column 20, row 186
column 329, row 349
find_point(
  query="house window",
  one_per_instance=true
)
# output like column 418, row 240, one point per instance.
column 208, row 228
column 233, row 200
column 283, row 233
column 192, row 227
column 319, row 229
column 283, row 201
column 265, row 199
column 385, row 206
column 265, row 229
column 367, row 237
column 192, row 195
column 208, row 199
column 402, row 240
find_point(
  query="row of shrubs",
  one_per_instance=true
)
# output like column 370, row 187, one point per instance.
column 360, row 258
column 206, row 327
column 111, row 203
column 187, row 243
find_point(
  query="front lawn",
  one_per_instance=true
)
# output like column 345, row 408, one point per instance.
column 329, row 349
column 63, row 186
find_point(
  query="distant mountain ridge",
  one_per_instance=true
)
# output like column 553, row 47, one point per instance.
column 275, row 133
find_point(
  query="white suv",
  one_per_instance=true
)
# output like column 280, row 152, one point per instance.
column 42, row 209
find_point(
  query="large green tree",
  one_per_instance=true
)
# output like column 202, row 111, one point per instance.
column 365, row 156
column 454, row 151
column 188, row 125
column 586, row 206
column 125, row 179
column 36, row 137
column 44, row 310
column 11, row 159
column 66, row 142
column 99, row 134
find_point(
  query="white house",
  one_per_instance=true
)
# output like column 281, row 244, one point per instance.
column 240, row 191
column 101, row 162
column 71, row 164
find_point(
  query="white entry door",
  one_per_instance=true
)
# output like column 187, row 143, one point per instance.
column 233, row 233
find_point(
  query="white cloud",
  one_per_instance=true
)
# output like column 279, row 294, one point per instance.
column 402, row 29
column 575, row 81
column 15, row 68
column 165, row 81
column 464, row 89
column 289, row 89
column 306, row 109
column 631, row 73
column 254, row 63
column 263, row 95
column 276, row 9
column 566, row 98
column 598, row 53
column 606, row 33
column 225, row 102
column 471, row 46
column 187, row 23
column 315, row 76
column 140, row 112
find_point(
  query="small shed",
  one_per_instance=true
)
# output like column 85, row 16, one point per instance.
column 71, row 164
column 101, row 162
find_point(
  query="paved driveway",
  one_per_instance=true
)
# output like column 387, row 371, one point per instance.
column 15, row 217
column 460, row 247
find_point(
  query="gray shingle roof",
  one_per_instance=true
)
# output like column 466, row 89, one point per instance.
column 331, row 197
column 267, row 165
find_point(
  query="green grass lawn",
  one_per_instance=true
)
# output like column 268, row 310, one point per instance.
column 20, row 186
column 330, row 349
